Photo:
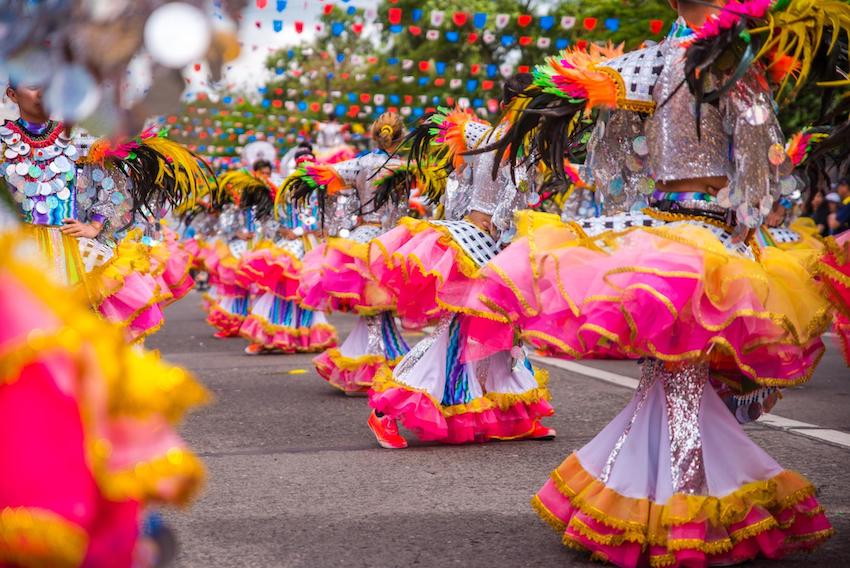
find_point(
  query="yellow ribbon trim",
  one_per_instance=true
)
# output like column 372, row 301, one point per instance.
column 38, row 538
column 648, row 523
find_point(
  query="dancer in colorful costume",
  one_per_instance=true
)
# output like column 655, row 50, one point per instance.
column 681, row 284
column 229, row 300
column 72, row 205
column 277, row 322
column 434, row 391
column 87, row 421
column 361, row 202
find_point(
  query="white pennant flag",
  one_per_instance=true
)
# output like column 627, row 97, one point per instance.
column 506, row 69
column 407, row 64
column 357, row 60
column 423, row 99
column 463, row 102
column 289, row 105
column 370, row 14
column 405, row 111
column 437, row 17
column 568, row 22
column 432, row 35
column 327, row 108
column 543, row 42
column 488, row 37
column 367, row 109
column 502, row 20
column 336, row 94
column 291, row 92
column 379, row 99
column 459, row 67
column 359, row 77
column 407, row 79
column 455, row 83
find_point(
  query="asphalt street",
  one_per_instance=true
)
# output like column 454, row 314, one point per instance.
column 295, row 478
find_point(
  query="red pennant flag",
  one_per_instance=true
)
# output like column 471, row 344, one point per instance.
column 365, row 98
column 450, row 101
column 315, row 107
column 581, row 44
column 474, row 68
column 408, row 99
column 415, row 30
column 523, row 20
column 524, row 40
column 328, row 8
column 487, row 84
column 589, row 23
column 424, row 65
column 262, row 4
column 655, row 26
column 394, row 15
column 278, row 91
column 277, row 103
column 357, row 28
column 345, row 75
column 353, row 110
column 299, row 27
column 439, row 81
column 459, row 18
column 197, row 66
column 472, row 37
column 522, row 69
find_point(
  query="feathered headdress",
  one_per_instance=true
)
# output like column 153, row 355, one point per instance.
column 161, row 171
column 794, row 40
column 547, row 119
column 249, row 190
column 435, row 148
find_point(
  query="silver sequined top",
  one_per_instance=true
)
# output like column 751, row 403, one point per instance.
column 740, row 140
column 360, row 175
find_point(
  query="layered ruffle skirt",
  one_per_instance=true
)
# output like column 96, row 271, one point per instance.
column 440, row 398
column 673, row 479
column 277, row 321
column 373, row 347
column 87, row 423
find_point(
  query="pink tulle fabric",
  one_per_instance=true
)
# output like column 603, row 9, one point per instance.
column 648, row 299
column 271, row 270
column 302, row 340
column 416, row 267
column 176, row 271
column 332, row 280
column 341, row 373
column 135, row 306
column 418, row 413
column 836, row 275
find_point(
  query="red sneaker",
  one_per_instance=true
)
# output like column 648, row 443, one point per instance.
column 254, row 349
column 385, row 430
column 541, row 432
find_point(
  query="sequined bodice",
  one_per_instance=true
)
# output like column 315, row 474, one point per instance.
column 675, row 150
column 40, row 172
column 362, row 174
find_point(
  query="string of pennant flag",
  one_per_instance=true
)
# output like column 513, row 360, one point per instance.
column 415, row 22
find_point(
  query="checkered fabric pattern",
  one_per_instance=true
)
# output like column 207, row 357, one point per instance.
column 365, row 233
column 781, row 235
column 478, row 245
column 238, row 247
column 93, row 253
column 640, row 71
column 295, row 247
